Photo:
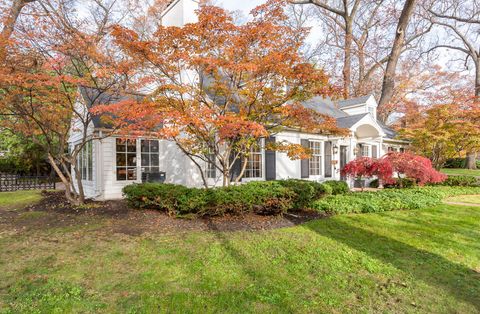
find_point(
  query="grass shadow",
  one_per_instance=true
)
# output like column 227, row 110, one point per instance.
column 261, row 280
column 460, row 281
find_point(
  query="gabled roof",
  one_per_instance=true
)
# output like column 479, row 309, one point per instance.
column 94, row 96
column 324, row 106
column 349, row 121
column 353, row 101
column 389, row 132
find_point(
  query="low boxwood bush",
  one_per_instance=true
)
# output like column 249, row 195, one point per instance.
column 272, row 197
column 389, row 199
column 461, row 181
column 338, row 187
column 399, row 182
column 306, row 191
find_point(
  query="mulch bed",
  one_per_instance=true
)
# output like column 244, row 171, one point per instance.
column 117, row 217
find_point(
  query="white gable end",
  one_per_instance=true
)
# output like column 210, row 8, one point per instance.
column 364, row 105
column 180, row 12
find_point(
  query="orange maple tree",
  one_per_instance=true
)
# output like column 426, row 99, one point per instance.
column 217, row 87
column 444, row 130
column 45, row 58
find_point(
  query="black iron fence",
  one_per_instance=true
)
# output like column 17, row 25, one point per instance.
column 13, row 182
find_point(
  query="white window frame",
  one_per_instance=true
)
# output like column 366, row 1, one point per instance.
column 85, row 162
column 368, row 152
column 315, row 163
column 126, row 167
column 210, row 166
column 255, row 157
column 147, row 167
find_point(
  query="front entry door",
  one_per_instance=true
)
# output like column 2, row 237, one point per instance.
column 343, row 160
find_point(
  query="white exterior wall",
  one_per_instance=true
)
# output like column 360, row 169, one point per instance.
column 178, row 167
column 180, row 13
column 75, row 138
column 363, row 108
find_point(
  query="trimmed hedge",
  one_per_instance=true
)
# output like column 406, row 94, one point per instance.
column 266, row 198
column 461, row 181
column 338, row 187
column 458, row 163
column 399, row 182
column 390, row 199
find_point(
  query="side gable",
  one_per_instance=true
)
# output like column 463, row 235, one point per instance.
column 364, row 104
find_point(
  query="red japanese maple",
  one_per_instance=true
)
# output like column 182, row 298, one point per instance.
column 414, row 167
column 404, row 165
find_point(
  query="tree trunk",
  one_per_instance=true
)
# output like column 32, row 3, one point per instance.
column 359, row 90
column 65, row 181
column 471, row 160
column 9, row 25
column 477, row 78
column 347, row 65
column 388, row 86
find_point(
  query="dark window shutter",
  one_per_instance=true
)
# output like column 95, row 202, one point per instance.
column 374, row 151
column 270, row 161
column 328, row 159
column 236, row 169
column 304, row 163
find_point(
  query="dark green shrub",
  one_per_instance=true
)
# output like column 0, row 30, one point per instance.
column 374, row 184
column 461, row 181
column 390, row 199
column 458, row 163
column 305, row 191
column 455, row 163
column 338, row 187
column 259, row 197
column 402, row 183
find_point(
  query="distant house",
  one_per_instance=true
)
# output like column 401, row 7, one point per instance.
column 107, row 165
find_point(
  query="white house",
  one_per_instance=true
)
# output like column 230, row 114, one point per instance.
column 109, row 164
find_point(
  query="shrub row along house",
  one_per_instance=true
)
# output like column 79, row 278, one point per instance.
column 109, row 163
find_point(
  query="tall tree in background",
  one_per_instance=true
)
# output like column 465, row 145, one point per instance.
column 365, row 32
column 343, row 14
column 388, row 86
column 461, row 22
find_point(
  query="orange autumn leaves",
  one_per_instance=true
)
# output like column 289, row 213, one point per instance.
column 215, row 80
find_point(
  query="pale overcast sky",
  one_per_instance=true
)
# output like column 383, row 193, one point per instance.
column 242, row 5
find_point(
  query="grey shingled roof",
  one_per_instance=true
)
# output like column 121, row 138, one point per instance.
column 94, row 97
column 353, row 101
column 389, row 133
column 324, row 106
column 349, row 121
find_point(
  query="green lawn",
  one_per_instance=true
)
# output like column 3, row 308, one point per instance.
column 19, row 199
column 405, row 261
column 468, row 199
column 461, row 172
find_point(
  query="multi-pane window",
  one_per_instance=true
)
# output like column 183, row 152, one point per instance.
column 126, row 159
column 254, row 163
column 85, row 162
column 150, row 155
column 365, row 150
column 315, row 162
column 211, row 169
